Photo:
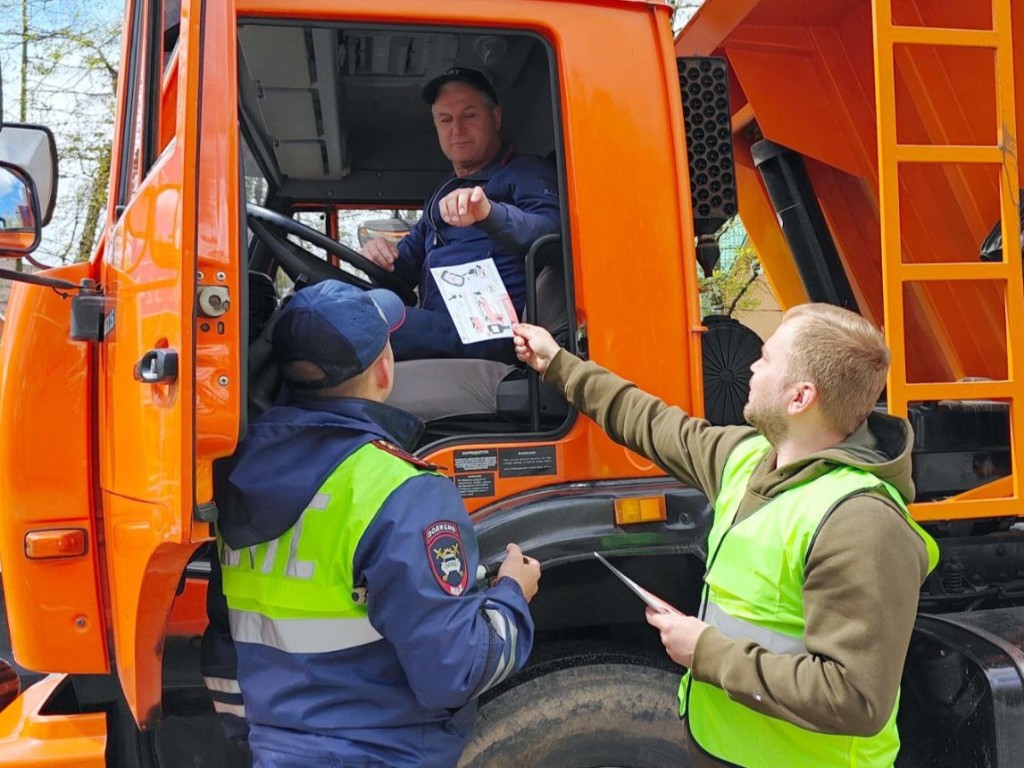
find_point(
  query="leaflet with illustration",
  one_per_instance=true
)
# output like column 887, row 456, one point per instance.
column 650, row 598
column 477, row 300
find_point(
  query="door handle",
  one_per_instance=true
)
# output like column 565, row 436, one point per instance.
column 158, row 366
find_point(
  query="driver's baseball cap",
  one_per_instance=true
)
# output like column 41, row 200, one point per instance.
column 338, row 327
column 473, row 77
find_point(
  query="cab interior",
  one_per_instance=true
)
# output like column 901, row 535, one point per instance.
column 336, row 136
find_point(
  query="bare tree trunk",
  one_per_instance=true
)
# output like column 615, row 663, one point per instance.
column 23, row 111
column 97, row 204
column 741, row 292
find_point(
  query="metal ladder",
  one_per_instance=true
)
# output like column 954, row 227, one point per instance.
column 1002, row 497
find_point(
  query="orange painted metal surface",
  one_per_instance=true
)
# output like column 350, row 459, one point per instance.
column 986, row 136
column 156, row 448
column 188, row 615
column 54, row 608
column 147, row 478
column 219, row 249
column 806, row 74
column 789, row 66
column 626, row 169
column 30, row 739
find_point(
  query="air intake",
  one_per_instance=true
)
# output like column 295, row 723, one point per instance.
column 704, row 84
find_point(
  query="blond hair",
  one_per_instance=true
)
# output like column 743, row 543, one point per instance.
column 844, row 355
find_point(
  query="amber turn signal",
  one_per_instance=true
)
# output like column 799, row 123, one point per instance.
column 55, row 543
column 643, row 509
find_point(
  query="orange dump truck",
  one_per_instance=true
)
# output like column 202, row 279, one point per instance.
column 870, row 145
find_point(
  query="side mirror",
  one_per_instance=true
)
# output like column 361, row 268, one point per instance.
column 20, row 227
column 31, row 149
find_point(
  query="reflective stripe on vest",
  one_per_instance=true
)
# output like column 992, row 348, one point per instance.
column 296, row 593
column 754, row 591
column 735, row 628
column 302, row 635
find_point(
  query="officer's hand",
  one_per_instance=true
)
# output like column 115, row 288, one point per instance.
column 464, row 207
column 534, row 346
column 381, row 252
column 523, row 569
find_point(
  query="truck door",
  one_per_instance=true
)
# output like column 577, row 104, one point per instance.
column 169, row 365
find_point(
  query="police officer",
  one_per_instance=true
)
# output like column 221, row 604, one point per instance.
column 346, row 567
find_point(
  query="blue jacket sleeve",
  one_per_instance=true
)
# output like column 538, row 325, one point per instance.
column 524, row 204
column 418, row 560
column 217, row 659
column 412, row 250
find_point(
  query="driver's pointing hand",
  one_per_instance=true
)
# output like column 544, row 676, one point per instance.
column 465, row 207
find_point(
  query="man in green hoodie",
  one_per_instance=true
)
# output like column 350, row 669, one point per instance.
column 814, row 565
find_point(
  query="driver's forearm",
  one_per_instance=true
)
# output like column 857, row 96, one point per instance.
column 516, row 229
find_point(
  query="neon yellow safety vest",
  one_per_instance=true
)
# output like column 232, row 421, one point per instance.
column 754, row 590
column 296, row 593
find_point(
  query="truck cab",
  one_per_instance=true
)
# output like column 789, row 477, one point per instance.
column 240, row 125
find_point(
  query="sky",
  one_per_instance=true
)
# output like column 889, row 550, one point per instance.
column 12, row 201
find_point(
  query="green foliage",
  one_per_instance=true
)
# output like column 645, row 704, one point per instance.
column 729, row 288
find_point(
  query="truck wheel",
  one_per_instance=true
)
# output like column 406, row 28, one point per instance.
column 608, row 714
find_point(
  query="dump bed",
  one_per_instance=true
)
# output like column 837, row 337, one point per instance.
column 901, row 128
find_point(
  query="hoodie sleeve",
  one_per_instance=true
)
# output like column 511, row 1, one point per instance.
column 418, row 561
column 690, row 449
column 524, row 207
column 218, row 661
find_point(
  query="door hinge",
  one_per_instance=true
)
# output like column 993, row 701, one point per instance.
column 89, row 320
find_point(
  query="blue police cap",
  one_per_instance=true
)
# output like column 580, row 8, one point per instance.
column 338, row 327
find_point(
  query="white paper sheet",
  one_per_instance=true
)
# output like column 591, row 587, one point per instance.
column 477, row 300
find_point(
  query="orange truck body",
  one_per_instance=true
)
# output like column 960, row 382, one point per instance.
column 86, row 446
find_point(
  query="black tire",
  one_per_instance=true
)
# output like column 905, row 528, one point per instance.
column 608, row 714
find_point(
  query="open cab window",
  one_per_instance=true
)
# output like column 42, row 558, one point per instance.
column 339, row 146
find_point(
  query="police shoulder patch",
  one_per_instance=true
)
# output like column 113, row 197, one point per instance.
column 389, row 447
column 447, row 556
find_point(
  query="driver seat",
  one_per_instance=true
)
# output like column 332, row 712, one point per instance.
column 447, row 389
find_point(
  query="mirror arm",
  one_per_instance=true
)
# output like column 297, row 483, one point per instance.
column 46, row 282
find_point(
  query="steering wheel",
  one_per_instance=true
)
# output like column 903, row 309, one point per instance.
column 298, row 263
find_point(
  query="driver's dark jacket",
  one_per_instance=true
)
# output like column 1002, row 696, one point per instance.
column 407, row 698
column 523, row 190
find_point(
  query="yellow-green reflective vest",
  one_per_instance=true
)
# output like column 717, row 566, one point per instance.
column 296, row 593
column 754, row 590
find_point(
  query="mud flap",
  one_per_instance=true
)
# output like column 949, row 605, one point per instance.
column 963, row 691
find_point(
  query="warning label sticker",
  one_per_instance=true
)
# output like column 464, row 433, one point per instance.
column 475, row 484
column 476, row 460
column 527, row 462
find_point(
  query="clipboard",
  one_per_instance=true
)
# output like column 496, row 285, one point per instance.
column 652, row 600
